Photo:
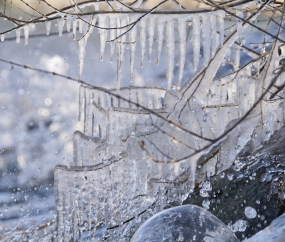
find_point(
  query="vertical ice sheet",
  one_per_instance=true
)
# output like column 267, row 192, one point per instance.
column 196, row 40
column 142, row 39
column 206, row 38
column 160, row 35
column 170, row 45
column 48, row 24
column 133, row 43
column 182, row 45
column 151, row 25
column 221, row 16
column 213, row 33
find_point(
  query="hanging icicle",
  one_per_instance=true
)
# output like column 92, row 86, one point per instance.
column 182, row 45
column 142, row 39
column 170, row 45
column 103, row 23
column 239, row 13
column 151, row 25
column 206, row 38
column 196, row 40
column 60, row 24
column 18, row 35
column 221, row 16
column 160, row 35
column 26, row 33
column 133, row 44
column 213, row 18
column 48, row 24
column 113, row 24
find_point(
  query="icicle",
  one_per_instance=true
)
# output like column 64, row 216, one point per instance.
column 2, row 37
column 142, row 39
column 18, row 35
column 82, row 45
column 112, row 36
column 74, row 28
column 221, row 16
column 239, row 13
column 160, row 34
column 68, row 23
column 170, row 45
column 48, row 23
column 196, row 40
column 80, row 26
column 103, row 33
column 182, row 46
column 133, row 43
column 213, row 33
column 60, row 23
column 151, row 25
column 206, row 38
column 93, row 22
column 123, row 42
column 26, row 33
column 237, row 57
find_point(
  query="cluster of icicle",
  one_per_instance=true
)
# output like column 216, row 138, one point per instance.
column 142, row 29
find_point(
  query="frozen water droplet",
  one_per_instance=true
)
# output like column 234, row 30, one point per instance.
column 230, row 176
column 206, row 203
column 133, row 134
column 250, row 212
column 239, row 226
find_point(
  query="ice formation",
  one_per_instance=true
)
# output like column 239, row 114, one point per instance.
column 114, row 184
column 114, row 156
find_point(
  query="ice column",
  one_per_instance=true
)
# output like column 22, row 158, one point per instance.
column 170, row 45
column 160, row 35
